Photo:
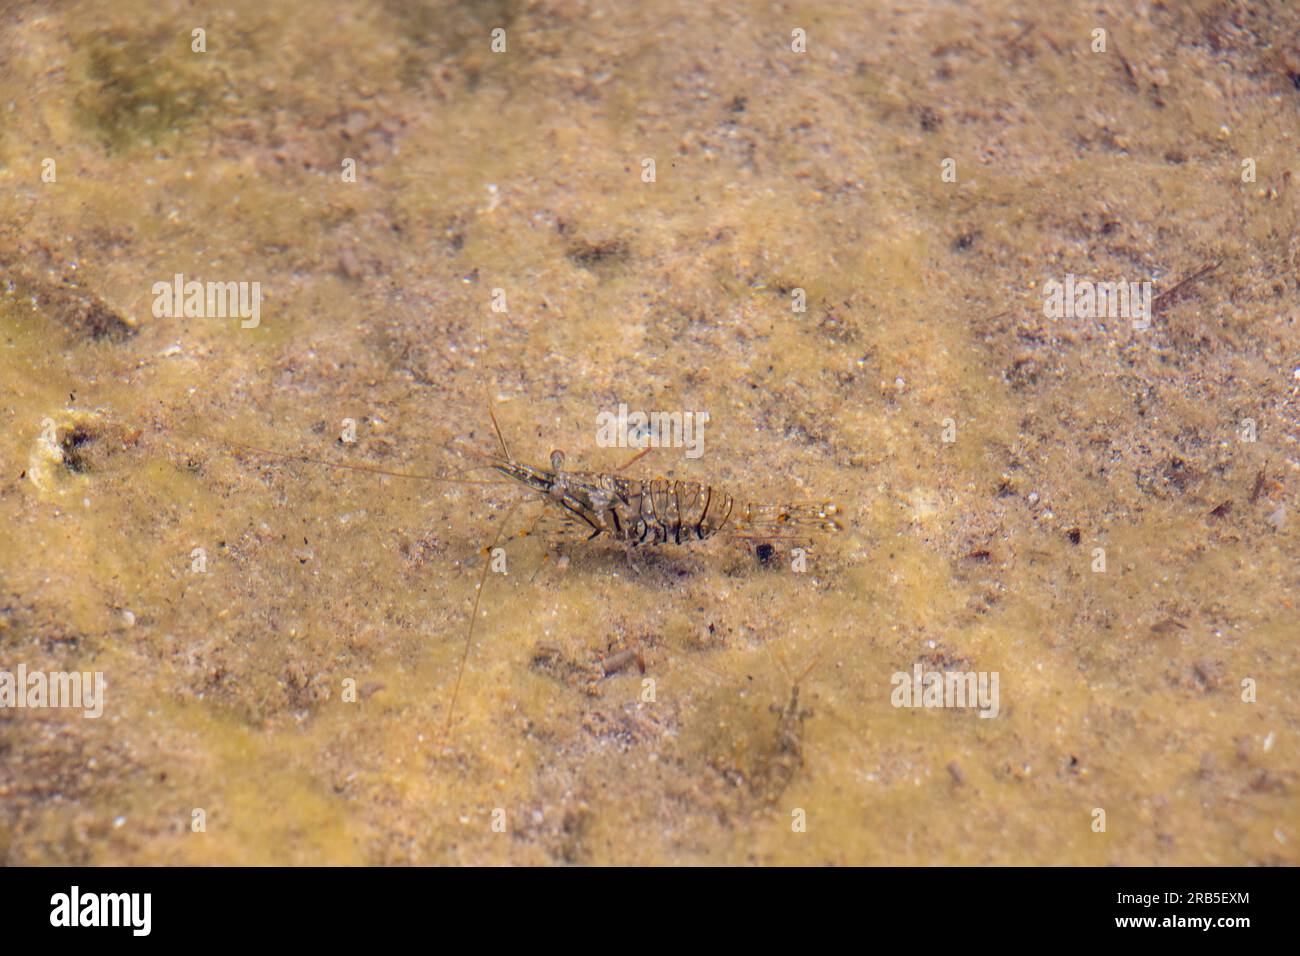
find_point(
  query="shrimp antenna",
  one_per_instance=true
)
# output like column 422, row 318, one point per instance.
column 451, row 477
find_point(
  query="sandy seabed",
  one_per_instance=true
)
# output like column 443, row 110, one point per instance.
column 1101, row 514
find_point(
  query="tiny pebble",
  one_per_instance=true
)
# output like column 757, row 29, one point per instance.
column 348, row 264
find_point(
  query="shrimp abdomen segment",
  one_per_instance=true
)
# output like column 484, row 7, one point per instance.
column 654, row 512
column 661, row 511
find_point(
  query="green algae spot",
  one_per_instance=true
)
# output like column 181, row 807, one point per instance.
column 141, row 89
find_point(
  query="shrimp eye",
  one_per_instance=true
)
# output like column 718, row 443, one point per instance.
column 557, row 460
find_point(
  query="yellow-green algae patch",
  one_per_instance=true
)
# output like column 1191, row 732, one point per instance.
column 281, row 639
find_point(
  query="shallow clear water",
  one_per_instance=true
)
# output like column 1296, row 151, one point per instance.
column 1120, row 689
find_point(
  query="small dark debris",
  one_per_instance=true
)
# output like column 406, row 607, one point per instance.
column 1223, row 510
column 836, row 328
column 97, row 320
column 1166, row 627
column 1263, row 782
column 1207, row 674
column 1258, row 487
column 1177, row 473
column 941, row 659
column 981, row 555
column 1129, row 75
column 965, row 241
column 70, row 446
column 620, row 660
column 1179, row 289
column 1074, row 535
column 765, row 552
column 590, row 255
column 419, row 551
column 1021, row 373
column 738, row 104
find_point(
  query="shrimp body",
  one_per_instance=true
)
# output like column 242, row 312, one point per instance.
column 656, row 511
